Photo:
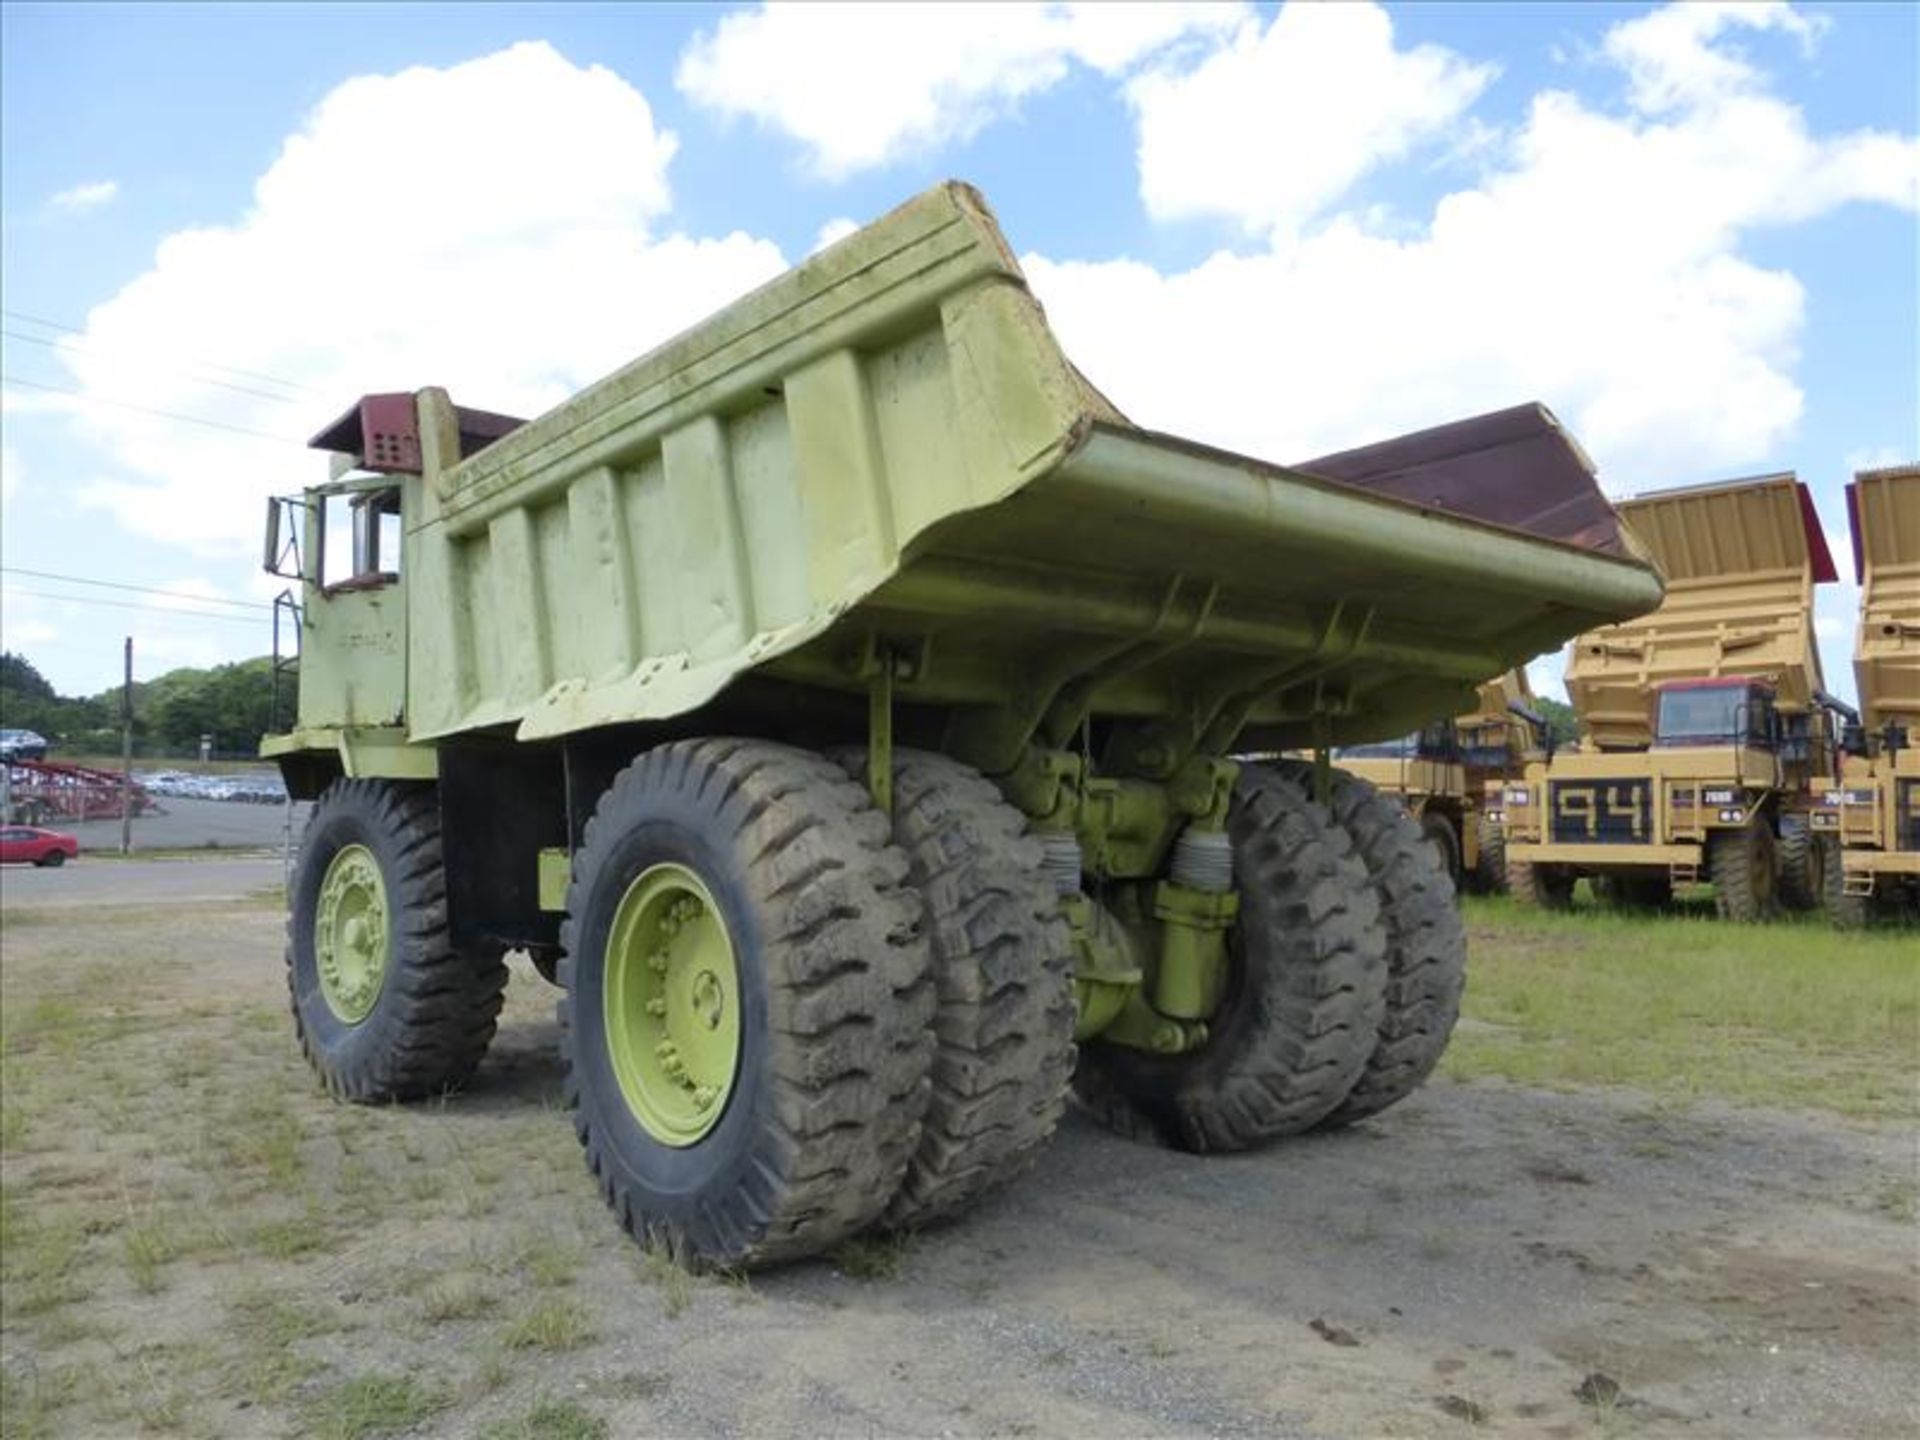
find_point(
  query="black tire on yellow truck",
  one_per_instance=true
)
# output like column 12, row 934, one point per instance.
column 1802, row 878
column 1490, row 874
column 1744, row 867
column 1306, row 990
column 1847, row 912
column 1537, row 886
column 747, row 1023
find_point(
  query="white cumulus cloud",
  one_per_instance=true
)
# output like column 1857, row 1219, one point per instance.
column 833, row 232
column 1278, row 124
column 1597, row 265
column 861, row 85
column 495, row 227
column 90, row 196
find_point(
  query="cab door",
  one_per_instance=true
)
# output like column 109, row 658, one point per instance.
column 353, row 656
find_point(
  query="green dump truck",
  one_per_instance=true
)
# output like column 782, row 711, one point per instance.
column 836, row 702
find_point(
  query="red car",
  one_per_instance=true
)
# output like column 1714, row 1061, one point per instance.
column 21, row 844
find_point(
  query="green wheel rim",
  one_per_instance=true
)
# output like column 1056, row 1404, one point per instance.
column 352, row 938
column 672, row 1005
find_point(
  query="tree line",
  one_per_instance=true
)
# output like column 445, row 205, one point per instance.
column 230, row 703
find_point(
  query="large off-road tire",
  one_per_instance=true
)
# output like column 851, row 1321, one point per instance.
column 1743, row 867
column 747, row 1019
column 1540, row 887
column 386, row 1007
column 1490, row 875
column 1002, row 959
column 1847, row 912
column 1444, row 840
column 1426, row 946
column 1801, row 878
column 1306, row 990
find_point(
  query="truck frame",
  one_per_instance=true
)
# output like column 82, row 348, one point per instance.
column 1706, row 730
column 837, row 703
column 1871, row 818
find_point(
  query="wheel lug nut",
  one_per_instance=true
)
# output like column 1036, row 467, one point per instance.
column 656, row 1007
column 704, row 1097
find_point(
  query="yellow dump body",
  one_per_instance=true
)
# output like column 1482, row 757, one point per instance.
column 1741, row 560
column 1884, row 509
column 1875, row 809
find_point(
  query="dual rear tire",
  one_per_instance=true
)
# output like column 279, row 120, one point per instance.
column 1346, row 969
column 865, row 1023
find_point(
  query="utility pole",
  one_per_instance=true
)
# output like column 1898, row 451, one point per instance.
column 126, row 755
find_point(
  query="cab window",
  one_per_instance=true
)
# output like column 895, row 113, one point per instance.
column 360, row 539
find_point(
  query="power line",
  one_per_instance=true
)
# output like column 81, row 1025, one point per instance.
column 150, row 410
column 138, row 589
column 134, row 605
column 208, row 364
column 191, row 379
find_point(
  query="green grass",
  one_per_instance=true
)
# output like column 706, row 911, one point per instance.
column 550, row 1325
column 371, row 1405
column 1791, row 1014
column 549, row 1420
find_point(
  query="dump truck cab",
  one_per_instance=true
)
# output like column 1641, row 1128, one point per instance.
column 344, row 543
column 1872, row 815
column 1708, row 729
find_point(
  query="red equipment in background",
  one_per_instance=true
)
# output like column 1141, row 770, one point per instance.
column 41, row 790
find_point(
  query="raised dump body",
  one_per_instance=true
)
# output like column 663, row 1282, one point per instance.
column 1707, row 723
column 1883, row 508
column 1874, row 812
column 890, row 438
column 838, row 702
column 1741, row 559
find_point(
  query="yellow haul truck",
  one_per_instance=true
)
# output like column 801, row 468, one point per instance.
column 837, row 702
column 1452, row 776
column 1873, row 815
column 1706, row 731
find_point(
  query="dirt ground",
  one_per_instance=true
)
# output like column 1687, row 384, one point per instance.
column 195, row 1240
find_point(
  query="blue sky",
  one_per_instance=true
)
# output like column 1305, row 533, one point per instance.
column 1692, row 233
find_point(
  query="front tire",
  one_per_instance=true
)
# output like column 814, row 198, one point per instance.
column 1540, row 887
column 1847, row 912
column 1490, row 875
column 747, row 1020
column 1306, row 991
column 1802, row 879
column 52, row 860
column 1445, row 843
column 1743, row 866
column 386, row 1007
